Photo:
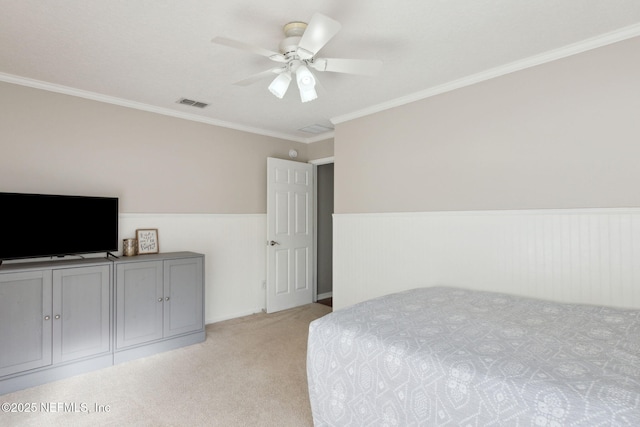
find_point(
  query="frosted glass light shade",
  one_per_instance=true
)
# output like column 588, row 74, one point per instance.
column 306, row 84
column 308, row 94
column 280, row 84
column 304, row 78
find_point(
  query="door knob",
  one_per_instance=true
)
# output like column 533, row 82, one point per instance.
column 273, row 243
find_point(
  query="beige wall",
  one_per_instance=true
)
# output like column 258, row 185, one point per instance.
column 54, row 143
column 320, row 149
column 560, row 135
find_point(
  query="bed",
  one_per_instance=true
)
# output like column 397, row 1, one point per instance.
column 448, row 356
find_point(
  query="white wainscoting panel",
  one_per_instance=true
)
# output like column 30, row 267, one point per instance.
column 235, row 255
column 587, row 256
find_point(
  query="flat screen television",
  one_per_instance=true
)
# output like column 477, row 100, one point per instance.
column 47, row 225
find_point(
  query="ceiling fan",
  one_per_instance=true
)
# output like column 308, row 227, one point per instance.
column 298, row 54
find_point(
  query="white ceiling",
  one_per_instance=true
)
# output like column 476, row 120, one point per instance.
column 148, row 54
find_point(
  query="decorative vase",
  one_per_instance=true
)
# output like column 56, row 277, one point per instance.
column 129, row 247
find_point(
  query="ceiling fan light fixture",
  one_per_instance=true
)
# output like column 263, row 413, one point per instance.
column 298, row 52
column 306, row 84
column 304, row 78
column 280, row 84
column 308, row 94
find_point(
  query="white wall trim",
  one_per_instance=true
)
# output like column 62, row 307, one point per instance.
column 572, row 49
column 66, row 90
column 234, row 249
column 551, row 211
column 592, row 43
column 187, row 215
column 319, row 137
column 586, row 256
column 323, row 161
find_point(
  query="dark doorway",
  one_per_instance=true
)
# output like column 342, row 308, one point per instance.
column 325, row 231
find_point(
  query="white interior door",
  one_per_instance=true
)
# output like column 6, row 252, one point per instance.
column 289, row 234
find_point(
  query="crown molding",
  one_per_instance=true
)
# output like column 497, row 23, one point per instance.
column 573, row 49
column 319, row 137
column 66, row 90
column 563, row 52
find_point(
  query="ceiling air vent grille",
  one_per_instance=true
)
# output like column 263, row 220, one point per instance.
column 316, row 129
column 192, row 103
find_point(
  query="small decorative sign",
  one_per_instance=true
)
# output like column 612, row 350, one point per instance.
column 147, row 240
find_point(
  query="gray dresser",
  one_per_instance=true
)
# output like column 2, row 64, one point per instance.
column 61, row 318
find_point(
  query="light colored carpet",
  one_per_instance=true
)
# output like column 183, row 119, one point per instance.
column 250, row 371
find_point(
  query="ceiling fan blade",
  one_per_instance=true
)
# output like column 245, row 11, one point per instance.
column 257, row 77
column 274, row 56
column 319, row 31
column 365, row 67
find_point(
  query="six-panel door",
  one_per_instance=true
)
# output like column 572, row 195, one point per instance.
column 289, row 234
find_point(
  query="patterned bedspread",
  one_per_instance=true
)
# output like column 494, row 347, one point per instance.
column 447, row 356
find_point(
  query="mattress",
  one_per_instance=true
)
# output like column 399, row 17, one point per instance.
column 446, row 356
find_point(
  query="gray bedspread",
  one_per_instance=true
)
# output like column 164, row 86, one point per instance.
column 446, row 356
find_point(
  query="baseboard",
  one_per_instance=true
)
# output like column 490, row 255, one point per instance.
column 121, row 356
column 234, row 315
column 324, row 296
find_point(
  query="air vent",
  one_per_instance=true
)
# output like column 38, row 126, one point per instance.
column 191, row 102
column 316, row 129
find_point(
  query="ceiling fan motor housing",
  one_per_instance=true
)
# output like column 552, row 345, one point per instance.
column 295, row 28
column 289, row 46
column 293, row 32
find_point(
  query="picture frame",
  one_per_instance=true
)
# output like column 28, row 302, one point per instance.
column 147, row 241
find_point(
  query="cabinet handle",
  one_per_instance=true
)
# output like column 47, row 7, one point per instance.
column 57, row 316
column 166, row 299
column 47, row 317
column 160, row 299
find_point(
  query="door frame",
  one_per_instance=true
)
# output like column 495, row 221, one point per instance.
column 316, row 163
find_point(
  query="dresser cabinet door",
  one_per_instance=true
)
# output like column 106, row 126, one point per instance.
column 25, row 321
column 81, row 312
column 139, row 303
column 183, row 309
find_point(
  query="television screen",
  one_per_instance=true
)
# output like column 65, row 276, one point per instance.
column 41, row 225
